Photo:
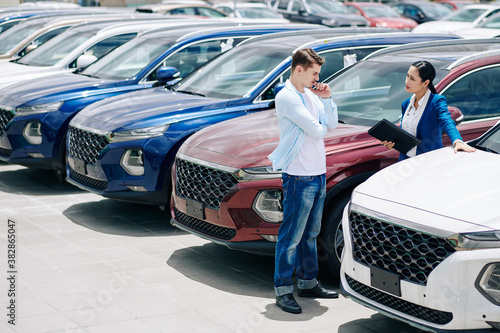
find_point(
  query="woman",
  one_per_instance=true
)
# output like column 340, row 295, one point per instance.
column 425, row 114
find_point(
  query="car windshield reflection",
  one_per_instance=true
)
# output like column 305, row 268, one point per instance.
column 234, row 74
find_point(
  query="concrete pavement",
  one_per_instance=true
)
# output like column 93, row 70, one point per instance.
column 83, row 263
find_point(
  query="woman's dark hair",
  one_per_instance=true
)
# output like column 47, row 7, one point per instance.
column 426, row 72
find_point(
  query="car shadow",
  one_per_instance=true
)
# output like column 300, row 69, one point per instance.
column 31, row 181
column 239, row 273
column 122, row 218
column 377, row 323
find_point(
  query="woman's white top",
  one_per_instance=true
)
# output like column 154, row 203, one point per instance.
column 412, row 117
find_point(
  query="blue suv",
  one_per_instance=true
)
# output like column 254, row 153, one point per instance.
column 124, row 147
column 34, row 115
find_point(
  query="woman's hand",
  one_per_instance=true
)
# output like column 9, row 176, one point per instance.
column 459, row 145
column 388, row 144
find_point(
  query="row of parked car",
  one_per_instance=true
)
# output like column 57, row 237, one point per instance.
column 179, row 113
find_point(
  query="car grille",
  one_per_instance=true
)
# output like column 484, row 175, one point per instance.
column 5, row 117
column 87, row 181
column 5, row 152
column 204, row 227
column 85, row 145
column 206, row 185
column 408, row 253
column 393, row 302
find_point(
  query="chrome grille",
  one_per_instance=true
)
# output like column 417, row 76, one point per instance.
column 204, row 227
column 85, row 145
column 393, row 302
column 206, row 185
column 5, row 118
column 411, row 254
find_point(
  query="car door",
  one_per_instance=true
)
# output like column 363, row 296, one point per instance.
column 477, row 95
column 298, row 12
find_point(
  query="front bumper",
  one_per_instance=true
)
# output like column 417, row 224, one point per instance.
column 449, row 301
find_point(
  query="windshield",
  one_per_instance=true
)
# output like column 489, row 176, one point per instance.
column 233, row 74
column 379, row 11
column 465, row 15
column 434, row 10
column 492, row 22
column 256, row 12
column 14, row 36
column 127, row 61
column 49, row 53
column 491, row 142
column 322, row 7
column 370, row 91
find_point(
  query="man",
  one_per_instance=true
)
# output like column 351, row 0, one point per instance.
column 305, row 109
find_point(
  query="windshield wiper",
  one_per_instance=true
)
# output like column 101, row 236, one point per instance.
column 485, row 149
column 88, row 75
column 190, row 93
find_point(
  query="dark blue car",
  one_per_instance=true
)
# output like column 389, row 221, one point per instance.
column 124, row 147
column 34, row 115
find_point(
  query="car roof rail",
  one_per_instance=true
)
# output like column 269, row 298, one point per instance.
column 285, row 34
column 417, row 45
column 475, row 56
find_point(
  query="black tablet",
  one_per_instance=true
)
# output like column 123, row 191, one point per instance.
column 384, row 130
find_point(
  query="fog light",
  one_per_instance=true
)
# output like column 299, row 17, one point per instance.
column 270, row 238
column 488, row 282
column 267, row 205
column 36, row 155
column 32, row 133
column 132, row 161
column 137, row 188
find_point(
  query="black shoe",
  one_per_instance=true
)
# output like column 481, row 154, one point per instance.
column 288, row 304
column 318, row 292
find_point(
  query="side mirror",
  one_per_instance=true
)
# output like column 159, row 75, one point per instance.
column 85, row 60
column 166, row 73
column 278, row 87
column 456, row 114
column 303, row 12
column 30, row 48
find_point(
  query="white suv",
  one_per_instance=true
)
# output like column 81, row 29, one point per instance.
column 423, row 239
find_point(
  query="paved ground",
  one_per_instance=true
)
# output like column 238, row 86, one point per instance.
column 88, row 264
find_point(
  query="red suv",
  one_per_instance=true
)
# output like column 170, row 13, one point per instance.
column 225, row 189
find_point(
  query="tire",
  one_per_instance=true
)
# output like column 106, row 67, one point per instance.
column 331, row 238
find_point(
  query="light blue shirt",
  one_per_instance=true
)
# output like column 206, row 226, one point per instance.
column 295, row 122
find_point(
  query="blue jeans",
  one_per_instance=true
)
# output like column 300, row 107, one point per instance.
column 296, row 250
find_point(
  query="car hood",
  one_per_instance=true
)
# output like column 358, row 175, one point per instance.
column 60, row 86
column 144, row 108
column 245, row 142
column 478, row 33
column 10, row 69
column 344, row 18
column 442, row 26
column 393, row 22
column 464, row 187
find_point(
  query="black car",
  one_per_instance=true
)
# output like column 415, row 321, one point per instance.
column 327, row 12
column 420, row 11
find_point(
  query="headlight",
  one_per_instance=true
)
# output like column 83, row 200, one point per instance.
column 268, row 206
column 488, row 282
column 32, row 133
column 40, row 108
column 132, row 161
column 329, row 22
column 141, row 133
column 477, row 240
column 264, row 172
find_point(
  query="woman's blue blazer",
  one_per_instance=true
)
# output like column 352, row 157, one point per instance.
column 435, row 119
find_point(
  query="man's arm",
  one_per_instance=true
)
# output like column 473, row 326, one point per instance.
column 292, row 108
